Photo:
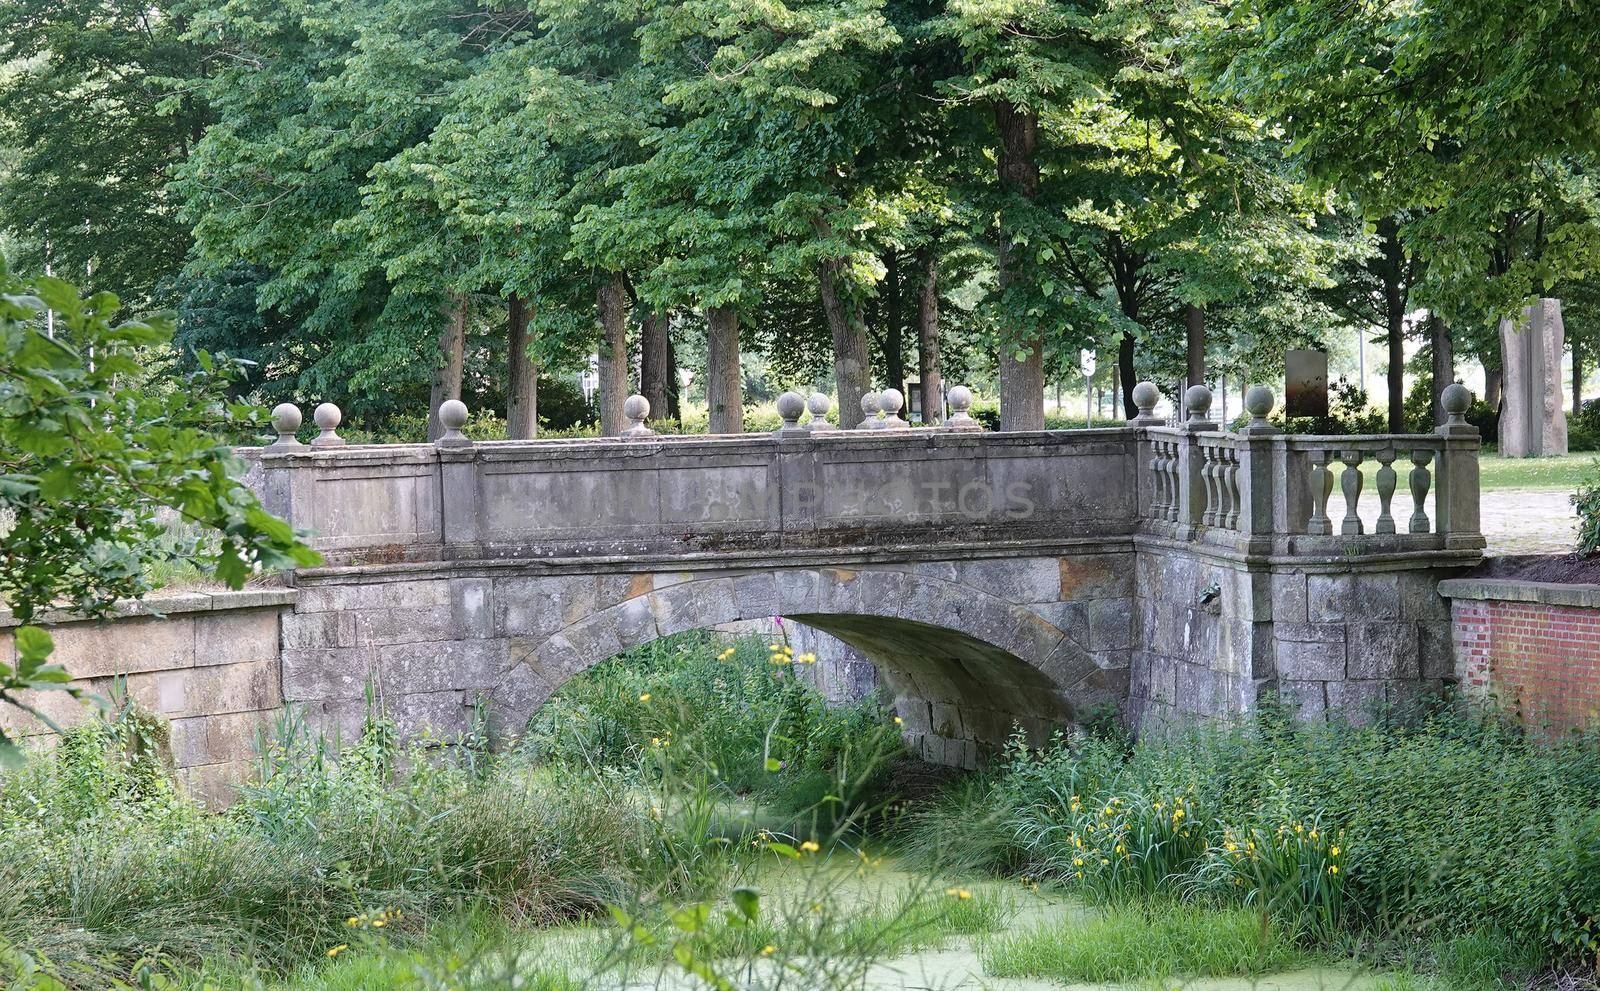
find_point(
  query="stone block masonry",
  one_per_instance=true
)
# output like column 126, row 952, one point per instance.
column 1534, row 647
column 208, row 662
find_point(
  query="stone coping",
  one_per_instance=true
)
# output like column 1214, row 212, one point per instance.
column 168, row 605
column 1512, row 590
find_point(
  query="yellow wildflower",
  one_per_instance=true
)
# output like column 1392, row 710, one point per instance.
column 1333, row 868
column 810, row 846
column 334, row 951
column 898, row 721
column 1333, row 851
column 645, row 697
column 768, row 950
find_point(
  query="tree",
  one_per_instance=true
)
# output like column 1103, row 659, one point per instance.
column 94, row 454
column 96, row 105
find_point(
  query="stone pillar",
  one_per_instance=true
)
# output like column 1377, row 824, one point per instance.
column 1533, row 422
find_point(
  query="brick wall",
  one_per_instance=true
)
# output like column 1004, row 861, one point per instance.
column 1532, row 646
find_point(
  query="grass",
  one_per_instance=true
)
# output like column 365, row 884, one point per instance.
column 1137, row 943
column 1564, row 473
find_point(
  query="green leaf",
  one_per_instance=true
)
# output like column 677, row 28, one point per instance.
column 34, row 647
column 747, row 901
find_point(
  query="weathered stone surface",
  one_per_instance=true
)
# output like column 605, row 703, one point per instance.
column 1311, row 660
column 336, row 673
column 91, row 650
column 442, row 666
column 1533, row 419
column 1289, row 598
column 1382, row 651
column 246, row 636
column 1361, row 598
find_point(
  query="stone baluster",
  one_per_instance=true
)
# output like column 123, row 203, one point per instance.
column 327, row 417
column 889, row 402
column 452, row 417
column 870, row 412
column 1420, row 480
column 1230, row 487
column 1174, row 464
column 1350, row 484
column 286, row 423
column 637, row 409
column 1208, row 477
column 1386, row 484
column 1193, row 498
column 1321, row 489
column 1257, row 490
column 960, row 418
column 1158, row 480
column 818, row 405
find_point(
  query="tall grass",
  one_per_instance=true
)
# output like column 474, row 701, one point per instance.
column 1441, row 828
column 637, row 789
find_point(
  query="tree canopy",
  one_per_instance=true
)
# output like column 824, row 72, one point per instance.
column 390, row 203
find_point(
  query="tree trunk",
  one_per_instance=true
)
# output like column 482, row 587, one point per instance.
column 674, row 398
column 1125, row 378
column 656, row 371
column 1394, row 312
column 1194, row 335
column 850, row 375
column 612, row 297
column 522, row 374
column 1493, row 378
column 1577, row 377
column 724, row 381
column 894, row 323
column 1021, row 378
column 451, row 360
column 1444, row 362
column 928, row 338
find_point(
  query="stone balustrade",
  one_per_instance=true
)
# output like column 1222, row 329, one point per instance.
column 1266, row 491
column 810, row 485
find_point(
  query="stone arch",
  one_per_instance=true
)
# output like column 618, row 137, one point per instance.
column 965, row 666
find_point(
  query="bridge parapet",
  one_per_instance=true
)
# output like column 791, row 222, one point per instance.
column 1261, row 491
column 1256, row 492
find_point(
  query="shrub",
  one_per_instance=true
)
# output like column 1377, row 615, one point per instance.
column 1586, row 502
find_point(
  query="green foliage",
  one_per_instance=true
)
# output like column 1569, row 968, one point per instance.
column 1586, row 502
column 741, row 713
column 95, row 456
column 1130, row 944
column 1442, row 828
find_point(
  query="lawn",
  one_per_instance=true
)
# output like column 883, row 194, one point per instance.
column 1534, row 473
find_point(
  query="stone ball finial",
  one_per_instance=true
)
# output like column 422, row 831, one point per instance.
column 637, row 409
column 286, row 422
column 327, row 417
column 1258, row 402
column 891, row 401
column 790, row 407
column 1145, row 397
column 1454, row 400
column 818, row 404
column 869, row 411
column 960, row 399
column 453, row 416
column 1197, row 401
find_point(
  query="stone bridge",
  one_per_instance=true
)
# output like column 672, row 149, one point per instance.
column 996, row 579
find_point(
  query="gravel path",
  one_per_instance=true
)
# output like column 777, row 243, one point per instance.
column 1528, row 521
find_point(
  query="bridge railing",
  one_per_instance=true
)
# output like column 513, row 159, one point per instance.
column 1264, row 491
column 809, row 487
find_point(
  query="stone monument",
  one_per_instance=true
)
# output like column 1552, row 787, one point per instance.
column 1533, row 422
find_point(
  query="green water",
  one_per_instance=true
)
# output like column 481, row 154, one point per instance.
column 845, row 888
